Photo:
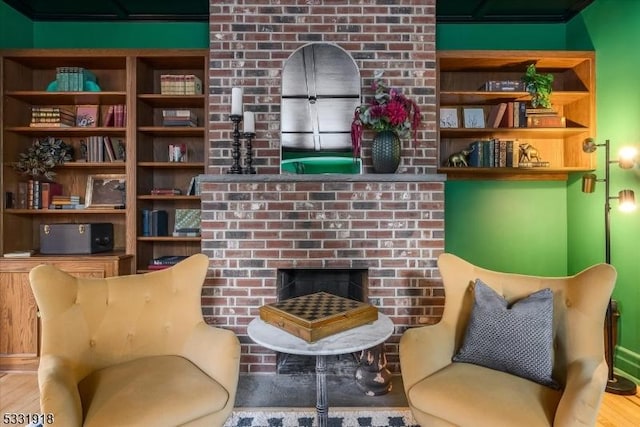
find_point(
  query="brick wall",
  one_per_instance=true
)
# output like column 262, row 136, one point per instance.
column 251, row 228
column 250, row 41
column 252, row 225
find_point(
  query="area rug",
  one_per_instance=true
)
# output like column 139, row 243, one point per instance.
column 306, row 417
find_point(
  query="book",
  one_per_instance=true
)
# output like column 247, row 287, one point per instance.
column 87, row 116
column 157, row 266
column 503, row 86
column 48, row 191
column 496, row 114
column 187, row 221
column 155, row 223
column 540, row 164
column 168, row 260
column 186, row 233
column 546, row 122
column 166, row 192
column 108, row 148
column 19, row 254
column 108, row 118
column 194, row 186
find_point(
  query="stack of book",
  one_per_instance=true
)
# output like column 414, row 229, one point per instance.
column 52, row 117
column 165, row 261
column 73, row 79
column 544, row 118
column 180, row 84
column 65, row 202
column 179, row 117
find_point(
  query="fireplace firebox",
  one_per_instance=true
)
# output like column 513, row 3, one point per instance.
column 346, row 283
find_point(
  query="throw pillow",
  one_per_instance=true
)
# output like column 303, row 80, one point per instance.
column 517, row 339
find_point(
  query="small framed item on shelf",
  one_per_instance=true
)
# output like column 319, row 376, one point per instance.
column 87, row 116
column 473, row 117
column 449, row 117
column 105, row 191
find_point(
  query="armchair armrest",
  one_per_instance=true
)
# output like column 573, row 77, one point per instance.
column 217, row 352
column 59, row 393
column 425, row 350
column 586, row 379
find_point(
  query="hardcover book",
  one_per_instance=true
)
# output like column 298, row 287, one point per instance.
column 87, row 116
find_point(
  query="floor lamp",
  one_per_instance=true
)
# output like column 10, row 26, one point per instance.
column 616, row 384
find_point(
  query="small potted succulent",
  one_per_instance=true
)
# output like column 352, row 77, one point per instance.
column 539, row 87
column 43, row 155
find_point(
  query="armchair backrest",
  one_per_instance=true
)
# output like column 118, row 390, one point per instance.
column 580, row 303
column 93, row 323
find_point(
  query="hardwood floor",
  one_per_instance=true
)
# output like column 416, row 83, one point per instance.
column 19, row 394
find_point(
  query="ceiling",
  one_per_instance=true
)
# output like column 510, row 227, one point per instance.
column 450, row 11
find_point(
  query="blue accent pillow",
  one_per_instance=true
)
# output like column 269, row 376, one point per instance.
column 517, row 339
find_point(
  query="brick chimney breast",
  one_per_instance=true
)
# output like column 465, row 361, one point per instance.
column 390, row 225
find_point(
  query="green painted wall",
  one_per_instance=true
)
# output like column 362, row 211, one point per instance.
column 16, row 31
column 529, row 227
column 615, row 34
column 121, row 35
column 508, row 226
column 500, row 36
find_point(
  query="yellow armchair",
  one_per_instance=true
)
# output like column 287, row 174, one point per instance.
column 133, row 350
column 445, row 393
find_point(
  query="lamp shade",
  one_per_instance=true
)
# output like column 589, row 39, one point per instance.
column 627, row 157
column 589, row 183
column 627, row 200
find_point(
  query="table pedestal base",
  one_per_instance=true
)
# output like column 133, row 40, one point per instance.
column 322, row 407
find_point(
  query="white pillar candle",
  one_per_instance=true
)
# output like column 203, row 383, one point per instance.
column 236, row 101
column 249, row 122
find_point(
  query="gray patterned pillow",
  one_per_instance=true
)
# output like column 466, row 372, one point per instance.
column 517, row 339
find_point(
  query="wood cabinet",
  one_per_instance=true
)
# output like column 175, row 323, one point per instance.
column 125, row 77
column 461, row 78
column 19, row 340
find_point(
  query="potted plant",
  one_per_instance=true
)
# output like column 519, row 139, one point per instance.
column 539, row 87
column 391, row 115
column 43, row 155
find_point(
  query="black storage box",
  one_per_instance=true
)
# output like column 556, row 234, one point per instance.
column 62, row 239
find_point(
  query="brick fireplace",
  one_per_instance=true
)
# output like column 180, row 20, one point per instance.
column 391, row 226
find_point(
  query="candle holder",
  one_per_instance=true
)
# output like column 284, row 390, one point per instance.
column 235, row 152
column 249, row 169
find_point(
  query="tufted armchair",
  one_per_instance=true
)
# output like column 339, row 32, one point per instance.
column 133, row 350
column 445, row 393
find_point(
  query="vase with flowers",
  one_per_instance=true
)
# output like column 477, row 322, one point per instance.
column 392, row 116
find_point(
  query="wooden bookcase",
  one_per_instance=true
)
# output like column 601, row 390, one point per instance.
column 153, row 168
column 462, row 74
column 129, row 77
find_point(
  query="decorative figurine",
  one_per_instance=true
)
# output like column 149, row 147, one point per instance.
column 529, row 153
column 459, row 159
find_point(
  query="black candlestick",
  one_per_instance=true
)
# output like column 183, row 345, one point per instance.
column 235, row 152
column 248, row 168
